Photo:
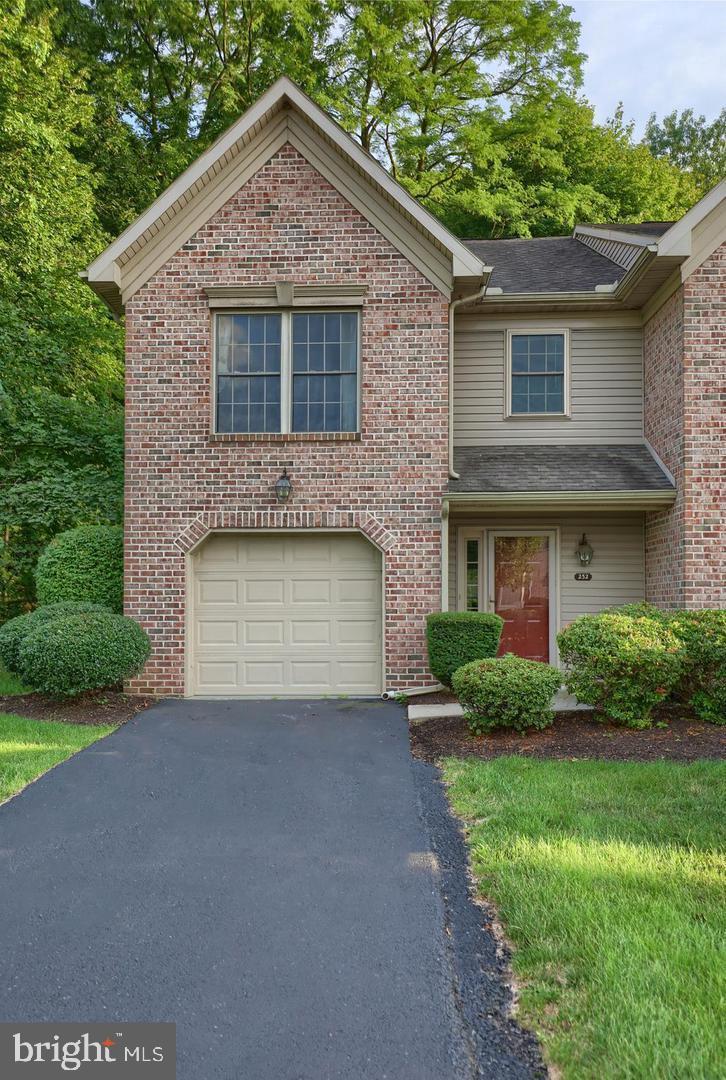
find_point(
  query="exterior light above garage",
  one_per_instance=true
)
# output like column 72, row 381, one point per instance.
column 283, row 487
column 584, row 552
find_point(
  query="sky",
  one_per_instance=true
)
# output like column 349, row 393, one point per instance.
column 654, row 56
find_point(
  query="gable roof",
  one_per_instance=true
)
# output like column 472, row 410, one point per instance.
column 604, row 265
column 283, row 113
column 547, row 264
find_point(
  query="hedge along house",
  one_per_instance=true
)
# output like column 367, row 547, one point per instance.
column 341, row 418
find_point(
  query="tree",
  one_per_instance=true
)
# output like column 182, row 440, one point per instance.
column 548, row 165
column 167, row 76
column 691, row 144
column 60, row 352
column 419, row 81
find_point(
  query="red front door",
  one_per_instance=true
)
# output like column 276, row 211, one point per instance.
column 521, row 582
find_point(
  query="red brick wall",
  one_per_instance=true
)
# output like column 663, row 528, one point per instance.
column 663, row 425
column 286, row 223
column 704, row 380
column 685, row 409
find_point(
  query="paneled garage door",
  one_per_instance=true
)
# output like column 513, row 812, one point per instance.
column 285, row 613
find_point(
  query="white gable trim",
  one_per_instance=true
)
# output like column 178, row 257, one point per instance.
column 302, row 114
column 677, row 241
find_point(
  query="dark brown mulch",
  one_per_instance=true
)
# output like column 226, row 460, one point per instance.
column 574, row 736
column 439, row 697
column 99, row 707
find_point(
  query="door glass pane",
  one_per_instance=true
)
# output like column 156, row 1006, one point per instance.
column 522, row 595
column 472, row 575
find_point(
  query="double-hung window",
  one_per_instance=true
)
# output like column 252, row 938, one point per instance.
column 537, row 373
column 287, row 372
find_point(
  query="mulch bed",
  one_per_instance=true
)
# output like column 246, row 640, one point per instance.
column 99, row 707
column 438, row 697
column 574, row 736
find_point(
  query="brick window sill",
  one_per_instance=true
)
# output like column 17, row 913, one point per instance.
column 289, row 437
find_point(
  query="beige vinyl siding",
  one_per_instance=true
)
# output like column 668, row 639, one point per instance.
column 606, row 387
column 618, row 565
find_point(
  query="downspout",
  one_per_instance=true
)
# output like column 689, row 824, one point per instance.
column 487, row 271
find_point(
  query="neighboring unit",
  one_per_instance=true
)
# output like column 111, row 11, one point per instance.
column 340, row 418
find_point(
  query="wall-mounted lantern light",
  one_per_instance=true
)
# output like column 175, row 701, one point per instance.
column 584, row 552
column 283, row 487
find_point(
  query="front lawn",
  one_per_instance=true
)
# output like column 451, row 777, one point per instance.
column 31, row 747
column 609, row 879
column 9, row 684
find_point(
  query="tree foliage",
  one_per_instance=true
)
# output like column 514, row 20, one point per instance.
column 691, row 144
column 60, row 352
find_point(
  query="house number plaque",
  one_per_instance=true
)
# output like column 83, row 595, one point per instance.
column 582, row 576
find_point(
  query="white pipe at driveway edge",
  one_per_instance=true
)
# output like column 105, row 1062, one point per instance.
column 391, row 695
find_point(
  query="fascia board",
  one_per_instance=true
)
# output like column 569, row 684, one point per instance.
column 547, row 500
column 677, row 241
column 633, row 239
column 281, row 92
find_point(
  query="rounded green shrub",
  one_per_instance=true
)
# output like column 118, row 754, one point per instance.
column 74, row 653
column 14, row 632
column 454, row 638
column 624, row 665
column 86, row 563
column 641, row 609
column 703, row 680
column 506, row 692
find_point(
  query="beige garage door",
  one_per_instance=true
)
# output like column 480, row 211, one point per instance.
column 295, row 614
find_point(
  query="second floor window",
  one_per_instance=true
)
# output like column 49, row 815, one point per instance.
column 537, row 373
column 287, row 371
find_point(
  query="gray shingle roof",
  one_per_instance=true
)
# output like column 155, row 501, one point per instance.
column 557, row 468
column 640, row 228
column 545, row 264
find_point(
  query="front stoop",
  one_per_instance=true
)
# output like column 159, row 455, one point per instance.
column 561, row 702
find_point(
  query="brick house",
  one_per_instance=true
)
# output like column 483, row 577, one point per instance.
column 340, row 417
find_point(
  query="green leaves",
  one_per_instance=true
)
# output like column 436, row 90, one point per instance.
column 507, row 691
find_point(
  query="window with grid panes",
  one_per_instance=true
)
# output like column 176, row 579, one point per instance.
column 287, row 371
column 537, row 373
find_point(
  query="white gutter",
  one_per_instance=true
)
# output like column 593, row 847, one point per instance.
column 487, row 272
column 580, row 500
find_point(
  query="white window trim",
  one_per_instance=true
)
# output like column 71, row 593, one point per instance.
column 463, row 536
column 528, row 331
column 286, row 374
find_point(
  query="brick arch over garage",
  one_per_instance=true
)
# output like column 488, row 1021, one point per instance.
column 207, row 523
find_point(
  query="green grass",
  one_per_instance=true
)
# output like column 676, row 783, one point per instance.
column 31, row 747
column 10, row 684
column 610, row 882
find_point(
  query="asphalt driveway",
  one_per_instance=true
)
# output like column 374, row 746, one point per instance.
column 260, row 873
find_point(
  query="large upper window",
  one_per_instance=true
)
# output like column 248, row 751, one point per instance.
column 287, row 371
column 537, row 373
